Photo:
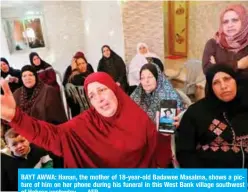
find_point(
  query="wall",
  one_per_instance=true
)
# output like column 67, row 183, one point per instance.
column 63, row 26
column 102, row 24
column 143, row 22
column 203, row 23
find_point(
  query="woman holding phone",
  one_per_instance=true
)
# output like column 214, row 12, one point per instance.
column 153, row 88
column 106, row 135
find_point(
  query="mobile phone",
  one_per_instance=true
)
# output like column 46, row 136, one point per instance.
column 167, row 113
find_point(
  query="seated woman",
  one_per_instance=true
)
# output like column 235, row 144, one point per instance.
column 113, row 133
column 13, row 76
column 142, row 57
column 213, row 132
column 113, row 64
column 230, row 44
column 45, row 71
column 76, row 75
column 40, row 100
column 73, row 66
column 80, row 71
column 153, row 88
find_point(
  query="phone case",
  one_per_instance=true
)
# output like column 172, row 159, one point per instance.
column 167, row 113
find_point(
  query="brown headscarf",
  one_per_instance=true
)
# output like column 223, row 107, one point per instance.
column 240, row 40
column 28, row 95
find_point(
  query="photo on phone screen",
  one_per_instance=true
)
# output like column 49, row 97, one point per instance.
column 166, row 117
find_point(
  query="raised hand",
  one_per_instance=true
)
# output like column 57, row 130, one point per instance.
column 8, row 104
column 73, row 64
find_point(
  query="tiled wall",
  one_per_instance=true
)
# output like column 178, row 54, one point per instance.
column 143, row 22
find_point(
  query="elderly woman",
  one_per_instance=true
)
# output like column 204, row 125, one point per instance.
column 213, row 132
column 153, row 88
column 40, row 101
column 113, row 133
column 142, row 57
column 230, row 44
column 45, row 71
column 113, row 64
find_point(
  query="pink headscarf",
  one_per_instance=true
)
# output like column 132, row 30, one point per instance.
column 240, row 40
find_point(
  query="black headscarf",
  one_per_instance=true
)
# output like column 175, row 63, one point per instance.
column 33, row 70
column 12, row 72
column 43, row 64
column 5, row 60
column 112, row 53
column 237, row 103
column 114, row 66
column 152, row 68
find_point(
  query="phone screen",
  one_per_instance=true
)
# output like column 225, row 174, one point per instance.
column 167, row 113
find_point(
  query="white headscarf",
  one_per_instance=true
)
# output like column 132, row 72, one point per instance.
column 136, row 63
column 148, row 54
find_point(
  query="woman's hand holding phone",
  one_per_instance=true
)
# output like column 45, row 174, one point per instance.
column 175, row 123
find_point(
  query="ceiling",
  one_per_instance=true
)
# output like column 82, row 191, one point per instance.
column 17, row 3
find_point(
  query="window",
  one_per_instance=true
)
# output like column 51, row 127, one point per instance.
column 24, row 33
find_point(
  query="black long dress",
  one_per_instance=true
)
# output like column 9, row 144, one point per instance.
column 116, row 68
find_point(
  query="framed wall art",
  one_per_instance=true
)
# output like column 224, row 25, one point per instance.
column 178, row 27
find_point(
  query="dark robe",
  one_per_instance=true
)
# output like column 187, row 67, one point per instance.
column 116, row 68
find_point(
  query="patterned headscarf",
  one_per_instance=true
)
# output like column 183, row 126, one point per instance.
column 240, row 40
column 150, row 102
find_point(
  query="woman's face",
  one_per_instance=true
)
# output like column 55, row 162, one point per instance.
column 231, row 23
column 81, row 65
column 28, row 79
column 143, row 50
column 102, row 99
column 148, row 81
column 4, row 67
column 224, row 86
column 36, row 60
column 106, row 52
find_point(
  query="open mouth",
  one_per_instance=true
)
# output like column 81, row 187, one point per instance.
column 21, row 151
column 105, row 106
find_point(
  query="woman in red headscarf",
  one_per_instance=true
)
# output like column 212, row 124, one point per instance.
column 76, row 74
column 230, row 44
column 113, row 133
column 74, row 66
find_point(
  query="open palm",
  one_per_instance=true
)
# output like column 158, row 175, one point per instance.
column 8, row 104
